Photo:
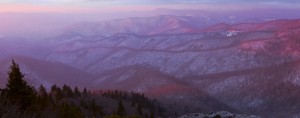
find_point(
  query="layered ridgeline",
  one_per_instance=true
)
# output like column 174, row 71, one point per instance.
column 250, row 68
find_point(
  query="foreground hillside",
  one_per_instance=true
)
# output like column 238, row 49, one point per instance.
column 20, row 99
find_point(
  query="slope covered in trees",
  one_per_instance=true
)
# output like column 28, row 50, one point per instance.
column 19, row 99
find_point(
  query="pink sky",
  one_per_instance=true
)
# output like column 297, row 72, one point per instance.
column 115, row 8
column 135, row 5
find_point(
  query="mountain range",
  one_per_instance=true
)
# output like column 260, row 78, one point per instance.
column 246, row 67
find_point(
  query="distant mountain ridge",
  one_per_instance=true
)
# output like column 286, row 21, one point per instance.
column 47, row 73
column 164, row 24
column 251, row 67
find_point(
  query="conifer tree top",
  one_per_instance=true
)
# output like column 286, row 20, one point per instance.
column 15, row 77
column 18, row 91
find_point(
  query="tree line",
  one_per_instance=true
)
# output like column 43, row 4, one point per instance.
column 19, row 99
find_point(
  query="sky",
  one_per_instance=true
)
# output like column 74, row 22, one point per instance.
column 133, row 5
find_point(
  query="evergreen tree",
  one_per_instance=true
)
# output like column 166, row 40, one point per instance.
column 43, row 96
column 68, row 92
column 53, row 88
column 17, row 90
column 84, row 93
column 121, row 109
column 70, row 111
column 76, row 91
column 58, row 94
column 42, row 92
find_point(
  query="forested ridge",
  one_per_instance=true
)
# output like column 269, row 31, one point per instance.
column 21, row 100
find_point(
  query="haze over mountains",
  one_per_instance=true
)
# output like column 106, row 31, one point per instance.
column 40, row 25
column 242, row 65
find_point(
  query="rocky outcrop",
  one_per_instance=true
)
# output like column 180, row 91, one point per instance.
column 219, row 114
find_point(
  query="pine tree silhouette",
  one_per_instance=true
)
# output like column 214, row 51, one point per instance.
column 121, row 109
column 43, row 96
column 17, row 89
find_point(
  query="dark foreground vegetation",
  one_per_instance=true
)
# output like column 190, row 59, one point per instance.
column 19, row 100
